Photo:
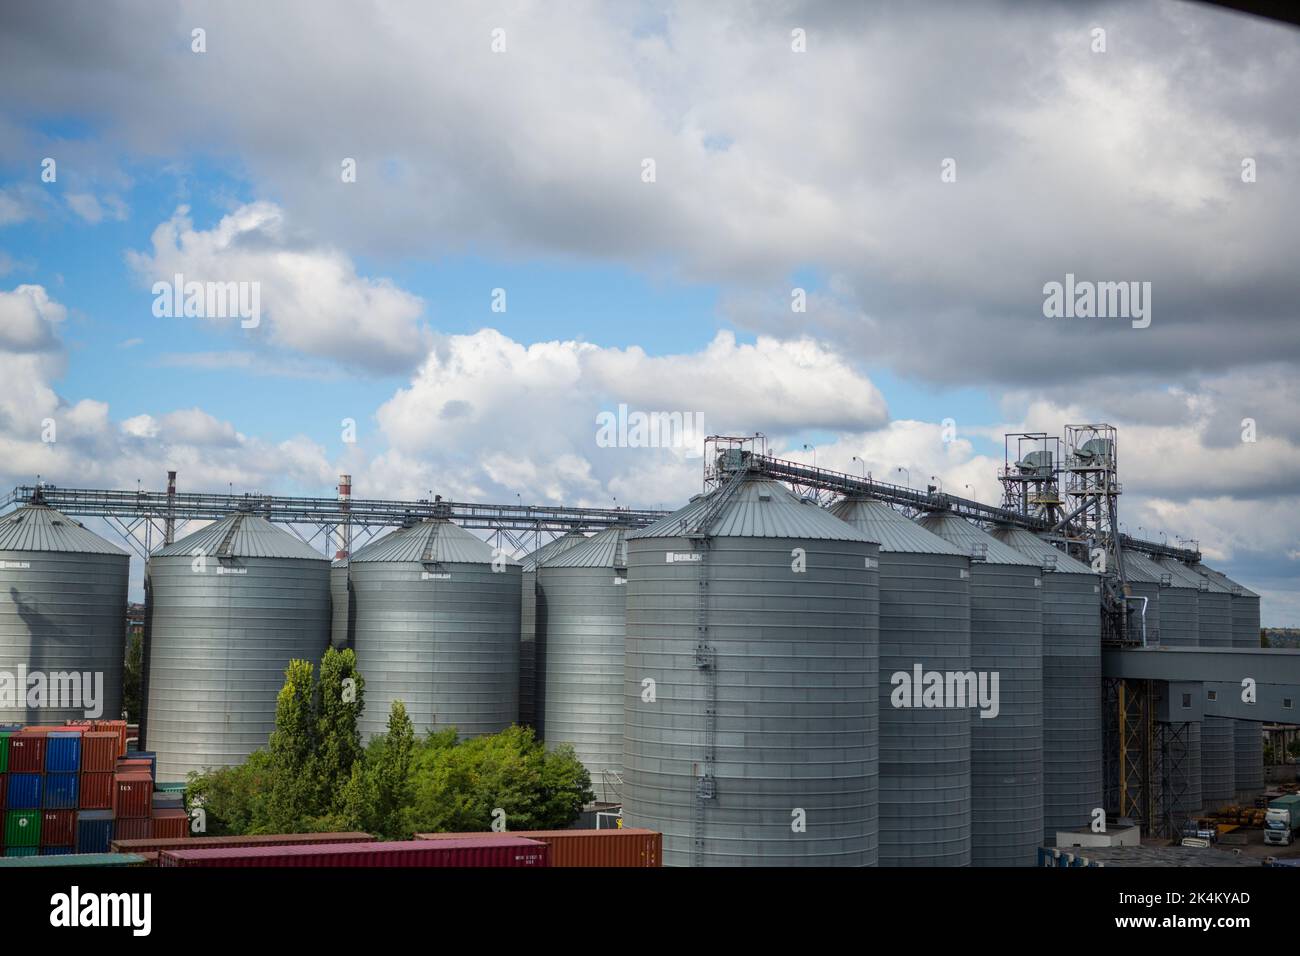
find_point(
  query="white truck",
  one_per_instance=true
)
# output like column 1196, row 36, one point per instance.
column 1282, row 820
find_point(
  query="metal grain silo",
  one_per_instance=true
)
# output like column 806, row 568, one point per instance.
column 62, row 611
column 1006, row 640
column 1248, row 761
column 437, row 626
column 229, row 606
column 1072, row 719
column 1213, row 629
column 925, row 766
column 342, row 611
column 1176, row 623
column 581, row 613
column 751, row 682
column 1144, row 578
column 528, row 621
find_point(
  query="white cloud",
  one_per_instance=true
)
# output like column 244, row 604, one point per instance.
column 311, row 297
column 29, row 319
column 95, row 210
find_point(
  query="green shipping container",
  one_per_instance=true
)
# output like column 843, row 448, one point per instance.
column 22, row 828
column 74, row 859
column 25, row 851
column 4, row 750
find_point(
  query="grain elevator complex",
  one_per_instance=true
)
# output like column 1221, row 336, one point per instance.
column 797, row 667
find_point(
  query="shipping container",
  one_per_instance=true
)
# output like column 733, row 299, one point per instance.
column 75, row 859
column 60, row 791
column 147, row 755
column 22, row 828
column 56, row 851
column 26, row 753
column 24, row 791
column 501, row 851
column 58, row 828
column 4, row 790
column 96, row 791
column 264, row 839
column 134, row 765
column 168, row 801
column 63, row 752
column 132, row 828
column 632, row 847
column 4, row 750
column 132, row 795
column 98, row 751
column 21, row 851
column 117, row 727
column 94, row 831
column 170, row 824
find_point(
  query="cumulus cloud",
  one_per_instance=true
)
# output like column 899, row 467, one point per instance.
column 311, row 298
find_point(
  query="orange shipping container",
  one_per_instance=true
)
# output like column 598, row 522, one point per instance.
column 98, row 751
column 114, row 726
column 170, row 825
column 586, row 848
column 97, row 791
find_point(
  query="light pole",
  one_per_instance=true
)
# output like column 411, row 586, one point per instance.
column 938, row 479
column 909, row 476
column 863, row 464
column 813, row 449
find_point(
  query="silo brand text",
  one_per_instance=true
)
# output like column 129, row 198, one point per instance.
column 673, row 557
column 947, row 689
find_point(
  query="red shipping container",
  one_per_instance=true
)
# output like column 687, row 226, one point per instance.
column 261, row 839
column 97, row 791
column 132, row 796
column 27, row 753
column 632, row 847
column 58, row 828
column 98, row 751
column 134, row 765
column 117, row 727
column 470, row 852
column 132, row 828
column 170, row 824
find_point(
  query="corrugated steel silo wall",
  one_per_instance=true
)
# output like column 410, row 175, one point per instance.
column 528, row 648
column 1151, row 591
column 925, row 763
column 1179, row 628
column 64, row 611
column 1248, row 766
column 797, row 721
column 447, row 647
column 1072, row 718
column 341, row 610
column 1007, row 750
column 581, row 617
column 219, row 644
column 1218, row 734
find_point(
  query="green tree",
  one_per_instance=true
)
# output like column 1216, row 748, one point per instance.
column 379, row 789
column 293, row 747
column 131, row 671
column 234, row 799
column 341, row 702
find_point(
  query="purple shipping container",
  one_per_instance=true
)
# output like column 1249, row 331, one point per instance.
column 470, row 852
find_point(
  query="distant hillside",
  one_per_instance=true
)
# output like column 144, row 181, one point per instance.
column 1282, row 636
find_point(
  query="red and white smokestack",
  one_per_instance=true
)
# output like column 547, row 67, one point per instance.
column 169, row 531
column 345, row 528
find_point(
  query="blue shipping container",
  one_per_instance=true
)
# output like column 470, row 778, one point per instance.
column 61, row 791
column 168, row 801
column 62, row 753
column 21, row 851
column 56, row 851
column 94, row 831
column 148, row 755
column 24, row 792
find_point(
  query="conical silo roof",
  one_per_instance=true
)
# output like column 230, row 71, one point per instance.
column 434, row 540
column 759, row 508
column 1139, row 567
column 549, row 550
column 242, row 535
column 1026, row 542
column 1223, row 579
column 893, row 529
column 1185, row 577
column 608, row 549
column 960, row 532
column 41, row 528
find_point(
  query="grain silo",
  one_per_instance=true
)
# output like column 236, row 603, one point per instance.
column 342, row 610
column 528, row 621
column 1248, row 760
column 581, row 612
column 751, row 682
column 437, row 626
column 1176, row 621
column 1072, row 720
column 229, row 606
column 1144, row 578
column 925, row 783
column 1007, row 748
column 62, row 612
column 1213, row 629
